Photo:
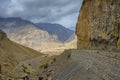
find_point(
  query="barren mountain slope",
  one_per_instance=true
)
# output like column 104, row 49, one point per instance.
column 12, row 53
column 38, row 37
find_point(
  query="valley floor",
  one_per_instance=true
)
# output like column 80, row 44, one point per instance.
column 75, row 65
column 87, row 65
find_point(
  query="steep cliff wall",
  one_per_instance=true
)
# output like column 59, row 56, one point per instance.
column 98, row 25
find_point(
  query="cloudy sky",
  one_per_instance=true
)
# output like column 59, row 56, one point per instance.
column 64, row 12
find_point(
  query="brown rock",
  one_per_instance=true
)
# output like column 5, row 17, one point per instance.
column 2, row 35
column 98, row 25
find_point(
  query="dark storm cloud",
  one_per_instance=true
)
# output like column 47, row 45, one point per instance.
column 39, row 10
column 44, row 3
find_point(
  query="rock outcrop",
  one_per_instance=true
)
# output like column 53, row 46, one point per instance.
column 98, row 25
column 2, row 35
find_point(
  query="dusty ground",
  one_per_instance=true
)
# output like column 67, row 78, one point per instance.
column 86, row 65
column 75, row 65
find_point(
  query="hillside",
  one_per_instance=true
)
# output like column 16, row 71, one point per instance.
column 13, row 22
column 41, row 38
column 85, row 65
column 17, row 28
column 11, row 54
column 56, row 29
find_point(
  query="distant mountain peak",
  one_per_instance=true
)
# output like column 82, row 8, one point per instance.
column 14, row 22
column 33, row 35
column 57, row 29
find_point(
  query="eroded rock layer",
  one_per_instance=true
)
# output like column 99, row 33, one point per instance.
column 98, row 25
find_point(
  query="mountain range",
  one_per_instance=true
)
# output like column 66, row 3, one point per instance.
column 38, row 36
column 62, row 32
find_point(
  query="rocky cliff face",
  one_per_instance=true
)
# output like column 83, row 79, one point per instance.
column 98, row 25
